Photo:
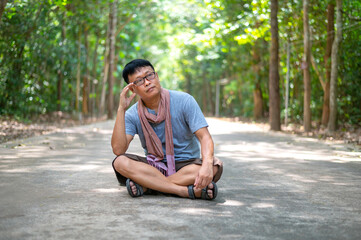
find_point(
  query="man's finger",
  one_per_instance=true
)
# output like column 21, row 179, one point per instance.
column 132, row 97
column 196, row 183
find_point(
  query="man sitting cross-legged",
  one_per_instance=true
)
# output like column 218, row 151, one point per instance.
column 169, row 124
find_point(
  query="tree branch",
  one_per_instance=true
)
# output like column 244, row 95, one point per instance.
column 121, row 27
column 351, row 17
column 319, row 73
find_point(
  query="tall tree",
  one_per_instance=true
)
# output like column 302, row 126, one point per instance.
column 105, row 71
column 2, row 7
column 306, row 69
column 85, row 105
column 113, row 28
column 257, row 92
column 94, row 81
column 274, row 91
column 334, row 68
column 78, row 72
column 61, row 65
column 330, row 37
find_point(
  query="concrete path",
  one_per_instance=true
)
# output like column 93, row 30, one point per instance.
column 274, row 186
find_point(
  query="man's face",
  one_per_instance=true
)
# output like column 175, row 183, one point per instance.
column 150, row 88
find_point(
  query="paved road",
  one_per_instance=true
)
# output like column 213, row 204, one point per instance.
column 274, row 186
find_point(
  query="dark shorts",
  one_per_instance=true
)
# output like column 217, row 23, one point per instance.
column 178, row 165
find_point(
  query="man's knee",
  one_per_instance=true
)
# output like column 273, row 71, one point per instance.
column 121, row 164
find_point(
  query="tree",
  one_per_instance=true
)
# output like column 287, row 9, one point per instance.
column 306, row 69
column 2, row 7
column 327, row 61
column 334, row 68
column 113, row 28
column 85, row 105
column 274, row 92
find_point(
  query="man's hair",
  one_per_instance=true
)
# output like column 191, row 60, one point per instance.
column 134, row 66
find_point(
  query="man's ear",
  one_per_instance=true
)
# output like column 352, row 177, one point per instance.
column 131, row 88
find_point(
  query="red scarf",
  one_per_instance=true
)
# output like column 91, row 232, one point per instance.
column 153, row 143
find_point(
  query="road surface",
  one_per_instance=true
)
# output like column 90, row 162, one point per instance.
column 274, row 186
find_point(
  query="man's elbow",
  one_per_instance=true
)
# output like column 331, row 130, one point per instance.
column 118, row 151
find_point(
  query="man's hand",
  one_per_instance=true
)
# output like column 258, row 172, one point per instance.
column 205, row 174
column 125, row 101
column 204, row 177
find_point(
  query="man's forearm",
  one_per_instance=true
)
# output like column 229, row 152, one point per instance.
column 207, row 151
column 119, row 140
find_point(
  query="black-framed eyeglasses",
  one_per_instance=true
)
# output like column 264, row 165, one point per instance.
column 140, row 82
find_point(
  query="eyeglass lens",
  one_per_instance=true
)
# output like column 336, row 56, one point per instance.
column 148, row 77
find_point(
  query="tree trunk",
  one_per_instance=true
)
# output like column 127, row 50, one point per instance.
column 257, row 93
column 85, row 106
column 117, row 81
column 306, row 69
column 105, row 72
column 330, row 37
column 93, row 78
column 77, row 93
column 188, row 83
column 274, row 91
column 2, row 7
column 258, row 102
column 204, row 95
column 334, row 68
column 210, row 99
column 113, row 18
column 61, row 69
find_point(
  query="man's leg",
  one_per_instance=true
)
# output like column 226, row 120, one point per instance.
column 147, row 176
column 187, row 175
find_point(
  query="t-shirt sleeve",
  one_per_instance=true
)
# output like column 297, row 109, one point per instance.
column 193, row 115
column 130, row 127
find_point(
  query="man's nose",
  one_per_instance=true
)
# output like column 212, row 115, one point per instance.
column 146, row 82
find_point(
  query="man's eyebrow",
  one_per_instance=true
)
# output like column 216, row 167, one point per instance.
column 146, row 73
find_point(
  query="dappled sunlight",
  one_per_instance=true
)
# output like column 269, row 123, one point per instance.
column 205, row 212
column 195, row 211
column 67, row 167
column 106, row 170
column 300, row 178
column 108, row 190
column 231, row 203
column 17, row 170
column 249, row 147
column 262, row 205
column 231, row 127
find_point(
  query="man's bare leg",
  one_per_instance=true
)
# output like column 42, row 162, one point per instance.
column 187, row 175
column 149, row 177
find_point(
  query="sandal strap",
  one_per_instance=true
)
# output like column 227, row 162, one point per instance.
column 205, row 195
column 139, row 189
column 191, row 192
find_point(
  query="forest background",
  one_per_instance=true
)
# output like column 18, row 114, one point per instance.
column 250, row 59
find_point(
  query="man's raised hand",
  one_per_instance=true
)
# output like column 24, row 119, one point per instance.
column 125, row 101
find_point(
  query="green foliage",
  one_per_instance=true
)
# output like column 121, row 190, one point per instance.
column 192, row 44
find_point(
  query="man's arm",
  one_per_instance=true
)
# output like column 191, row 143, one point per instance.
column 120, row 140
column 205, row 174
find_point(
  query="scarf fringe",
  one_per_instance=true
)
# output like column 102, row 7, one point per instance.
column 155, row 162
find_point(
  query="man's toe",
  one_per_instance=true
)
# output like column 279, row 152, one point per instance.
column 133, row 187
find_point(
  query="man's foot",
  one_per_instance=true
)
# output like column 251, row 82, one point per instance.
column 207, row 193
column 134, row 189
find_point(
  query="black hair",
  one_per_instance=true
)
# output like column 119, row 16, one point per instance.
column 133, row 66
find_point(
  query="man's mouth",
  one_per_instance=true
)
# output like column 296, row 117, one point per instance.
column 150, row 88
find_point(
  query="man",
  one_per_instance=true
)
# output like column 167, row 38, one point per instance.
column 168, row 124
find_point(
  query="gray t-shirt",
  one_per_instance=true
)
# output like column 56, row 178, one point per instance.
column 187, row 118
